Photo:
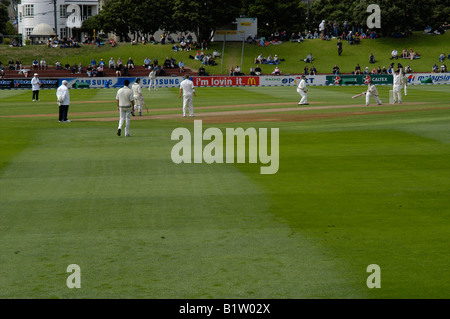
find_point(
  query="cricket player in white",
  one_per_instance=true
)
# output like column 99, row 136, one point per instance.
column 397, row 88
column 137, row 95
column 152, row 79
column 405, row 83
column 302, row 90
column 125, row 103
column 188, row 91
column 372, row 92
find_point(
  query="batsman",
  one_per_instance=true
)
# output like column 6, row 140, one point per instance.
column 137, row 95
column 372, row 92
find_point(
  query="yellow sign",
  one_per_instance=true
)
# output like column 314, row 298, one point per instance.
column 251, row 81
column 246, row 24
column 223, row 32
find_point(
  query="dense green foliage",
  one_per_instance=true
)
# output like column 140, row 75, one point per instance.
column 202, row 17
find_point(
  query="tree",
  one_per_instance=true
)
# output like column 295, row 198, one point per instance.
column 272, row 15
column 203, row 17
column 114, row 17
column 396, row 16
column 3, row 16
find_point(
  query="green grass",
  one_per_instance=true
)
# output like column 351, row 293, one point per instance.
column 324, row 52
column 351, row 191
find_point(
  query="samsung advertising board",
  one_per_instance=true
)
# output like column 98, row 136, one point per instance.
column 7, row 84
column 109, row 82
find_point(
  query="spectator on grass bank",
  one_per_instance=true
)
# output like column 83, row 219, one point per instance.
column 357, row 69
column 435, row 68
column 201, row 71
column 18, row 64
column 130, row 63
column 237, row 70
column 43, row 64
column 335, row 69
column 379, row 70
column 74, row 68
column 312, row 71
column 119, row 70
column 89, row 70
column 277, row 71
column 394, row 54
column 58, row 65
column 100, row 71
column 112, row 64
column 442, row 57
column 257, row 70
column 181, row 66
column 305, row 70
column 147, row 62
column 339, row 46
column 309, row 58
column 405, row 53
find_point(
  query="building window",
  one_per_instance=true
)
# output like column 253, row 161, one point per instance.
column 28, row 32
column 63, row 33
column 63, row 11
column 29, row 10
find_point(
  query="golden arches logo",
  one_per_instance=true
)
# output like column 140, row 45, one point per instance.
column 251, row 81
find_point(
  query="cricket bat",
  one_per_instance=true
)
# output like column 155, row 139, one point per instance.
column 358, row 95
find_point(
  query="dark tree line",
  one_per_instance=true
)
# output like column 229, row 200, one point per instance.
column 203, row 17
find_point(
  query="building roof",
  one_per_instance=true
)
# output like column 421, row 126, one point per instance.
column 43, row 29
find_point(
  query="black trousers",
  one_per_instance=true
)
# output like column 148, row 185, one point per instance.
column 36, row 95
column 63, row 110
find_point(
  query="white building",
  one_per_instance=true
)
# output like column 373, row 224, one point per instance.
column 237, row 30
column 63, row 16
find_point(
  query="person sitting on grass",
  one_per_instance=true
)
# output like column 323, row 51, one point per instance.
column 257, row 70
column 335, row 69
column 201, row 71
column 276, row 71
column 394, row 54
column 309, row 58
column 181, row 66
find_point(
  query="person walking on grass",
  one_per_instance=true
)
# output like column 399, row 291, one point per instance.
column 63, row 100
column 125, row 104
column 188, row 91
column 302, row 90
column 137, row 95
